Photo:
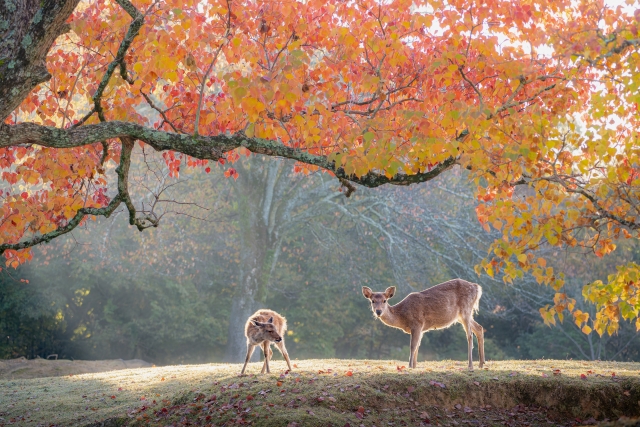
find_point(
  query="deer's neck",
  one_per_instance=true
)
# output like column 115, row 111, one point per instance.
column 392, row 317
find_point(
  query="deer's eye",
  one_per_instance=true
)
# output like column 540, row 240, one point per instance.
column 384, row 301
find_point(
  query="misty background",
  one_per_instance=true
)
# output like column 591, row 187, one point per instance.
column 291, row 242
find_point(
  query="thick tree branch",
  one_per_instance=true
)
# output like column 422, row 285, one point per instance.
column 200, row 147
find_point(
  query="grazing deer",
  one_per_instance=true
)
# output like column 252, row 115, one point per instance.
column 263, row 328
column 435, row 308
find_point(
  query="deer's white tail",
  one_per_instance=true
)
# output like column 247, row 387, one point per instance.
column 476, row 303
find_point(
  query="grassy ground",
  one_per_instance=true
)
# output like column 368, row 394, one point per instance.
column 330, row 392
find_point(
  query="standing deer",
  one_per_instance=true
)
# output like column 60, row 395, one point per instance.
column 263, row 328
column 435, row 308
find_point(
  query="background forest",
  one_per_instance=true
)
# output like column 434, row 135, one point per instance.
column 272, row 238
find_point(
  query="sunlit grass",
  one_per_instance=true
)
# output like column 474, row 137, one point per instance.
column 81, row 399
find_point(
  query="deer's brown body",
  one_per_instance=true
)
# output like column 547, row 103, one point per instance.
column 263, row 328
column 434, row 308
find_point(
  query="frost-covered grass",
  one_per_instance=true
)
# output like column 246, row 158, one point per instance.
column 323, row 392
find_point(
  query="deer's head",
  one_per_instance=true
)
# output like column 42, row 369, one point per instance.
column 268, row 330
column 379, row 300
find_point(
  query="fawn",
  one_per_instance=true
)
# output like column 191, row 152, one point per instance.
column 435, row 308
column 263, row 328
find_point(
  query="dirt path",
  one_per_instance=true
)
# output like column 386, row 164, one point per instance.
column 14, row 369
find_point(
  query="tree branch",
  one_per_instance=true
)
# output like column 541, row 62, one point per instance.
column 200, row 147
column 132, row 32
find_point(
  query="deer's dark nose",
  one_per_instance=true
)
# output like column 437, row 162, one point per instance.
column 278, row 339
column 378, row 312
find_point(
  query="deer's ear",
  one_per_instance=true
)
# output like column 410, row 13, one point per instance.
column 258, row 324
column 391, row 291
column 366, row 292
column 270, row 320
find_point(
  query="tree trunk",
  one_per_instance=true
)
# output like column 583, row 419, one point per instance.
column 241, row 308
column 249, row 295
column 252, row 187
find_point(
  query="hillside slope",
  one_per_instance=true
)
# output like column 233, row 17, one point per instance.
column 330, row 392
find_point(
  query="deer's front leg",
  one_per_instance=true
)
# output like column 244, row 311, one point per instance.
column 283, row 350
column 416, row 337
column 266, row 350
column 250, row 349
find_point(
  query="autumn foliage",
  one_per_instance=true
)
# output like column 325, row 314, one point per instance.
column 537, row 100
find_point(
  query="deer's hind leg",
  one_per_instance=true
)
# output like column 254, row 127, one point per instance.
column 467, row 325
column 478, row 331
column 416, row 337
column 266, row 348
column 283, row 350
column 250, row 349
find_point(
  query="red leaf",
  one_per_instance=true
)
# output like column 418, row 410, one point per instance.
column 24, row 195
column 349, row 374
column 207, row 170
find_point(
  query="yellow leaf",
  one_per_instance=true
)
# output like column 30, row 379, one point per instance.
column 239, row 93
column 586, row 329
column 209, row 118
column 250, row 132
column 522, row 258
